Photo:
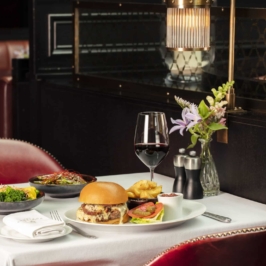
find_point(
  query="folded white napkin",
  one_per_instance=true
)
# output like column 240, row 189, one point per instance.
column 33, row 224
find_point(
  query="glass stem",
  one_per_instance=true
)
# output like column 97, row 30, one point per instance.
column 152, row 173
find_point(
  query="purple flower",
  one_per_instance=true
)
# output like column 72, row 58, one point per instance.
column 181, row 124
column 193, row 116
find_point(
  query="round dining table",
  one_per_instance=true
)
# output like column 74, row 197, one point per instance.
column 134, row 244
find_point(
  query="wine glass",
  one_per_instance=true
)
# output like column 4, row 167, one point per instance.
column 151, row 139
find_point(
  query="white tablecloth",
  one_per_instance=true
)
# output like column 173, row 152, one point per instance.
column 128, row 248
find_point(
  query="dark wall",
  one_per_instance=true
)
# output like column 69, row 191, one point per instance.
column 92, row 130
column 14, row 14
column 243, row 3
column 14, row 20
column 51, row 35
column 14, row 34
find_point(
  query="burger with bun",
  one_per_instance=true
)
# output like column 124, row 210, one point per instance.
column 103, row 203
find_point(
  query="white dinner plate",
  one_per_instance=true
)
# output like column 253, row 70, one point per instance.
column 12, row 234
column 191, row 209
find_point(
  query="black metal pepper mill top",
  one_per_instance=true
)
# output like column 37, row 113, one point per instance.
column 180, row 174
column 192, row 188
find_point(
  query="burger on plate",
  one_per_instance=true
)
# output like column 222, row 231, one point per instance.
column 103, row 203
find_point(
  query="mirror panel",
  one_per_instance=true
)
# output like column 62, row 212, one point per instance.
column 126, row 42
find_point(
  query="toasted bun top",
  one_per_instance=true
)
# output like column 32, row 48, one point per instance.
column 103, row 193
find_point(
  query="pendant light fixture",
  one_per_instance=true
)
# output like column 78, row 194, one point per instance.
column 188, row 25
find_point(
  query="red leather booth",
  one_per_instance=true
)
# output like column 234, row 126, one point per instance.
column 7, row 53
column 243, row 247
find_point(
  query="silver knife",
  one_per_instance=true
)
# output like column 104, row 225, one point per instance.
column 217, row 217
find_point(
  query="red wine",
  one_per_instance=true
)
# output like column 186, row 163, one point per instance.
column 151, row 154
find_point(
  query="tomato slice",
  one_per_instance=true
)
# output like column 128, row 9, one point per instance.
column 158, row 208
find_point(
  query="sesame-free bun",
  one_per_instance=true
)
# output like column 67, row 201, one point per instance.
column 103, row 193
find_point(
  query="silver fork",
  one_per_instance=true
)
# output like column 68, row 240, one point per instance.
column 56, row 216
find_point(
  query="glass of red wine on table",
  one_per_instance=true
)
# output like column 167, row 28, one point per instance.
column 151, row 139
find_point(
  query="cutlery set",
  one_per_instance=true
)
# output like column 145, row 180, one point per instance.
column 55, row 216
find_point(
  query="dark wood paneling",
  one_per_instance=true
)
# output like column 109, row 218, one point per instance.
column 93, row 134
column 51, row 37
column 92, row 131
column 47, row 18
column 242, row 3
column 14, row 34
column 21, row 99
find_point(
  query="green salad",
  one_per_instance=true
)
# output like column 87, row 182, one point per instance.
column 12, row 194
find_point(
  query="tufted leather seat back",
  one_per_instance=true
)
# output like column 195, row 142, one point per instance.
column 21, row 160
column 235, row 248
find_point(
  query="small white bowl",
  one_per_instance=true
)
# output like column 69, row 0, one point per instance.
column 172, row 202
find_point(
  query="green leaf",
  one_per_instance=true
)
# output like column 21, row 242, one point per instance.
column 194, row 139
column 216, row 126
column 203, row 109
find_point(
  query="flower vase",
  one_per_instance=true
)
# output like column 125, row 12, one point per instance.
column 208, row 175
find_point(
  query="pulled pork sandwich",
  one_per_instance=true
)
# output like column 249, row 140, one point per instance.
column 103, row 203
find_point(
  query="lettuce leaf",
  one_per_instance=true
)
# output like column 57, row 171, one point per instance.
column 157, row 219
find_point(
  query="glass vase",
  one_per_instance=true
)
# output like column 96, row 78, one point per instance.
column 208, row 175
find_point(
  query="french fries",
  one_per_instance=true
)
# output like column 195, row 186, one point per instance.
column 144, row 189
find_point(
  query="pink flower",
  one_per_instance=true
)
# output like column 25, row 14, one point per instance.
column 218, row 112
column 222, row 121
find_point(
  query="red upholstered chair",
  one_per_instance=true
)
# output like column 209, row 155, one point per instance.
column 6, row 114
column 245, row 247
column 21, row 160
column 8, row 51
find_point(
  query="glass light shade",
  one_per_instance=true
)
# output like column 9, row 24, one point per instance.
column 188, row 28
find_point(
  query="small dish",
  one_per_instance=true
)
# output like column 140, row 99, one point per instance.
column 61, row 191
column 172, row 202
column 11, row 207
column 134, row 202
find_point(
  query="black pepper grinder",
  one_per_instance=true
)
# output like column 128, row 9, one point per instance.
column 193, row 188
column 180, row 174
